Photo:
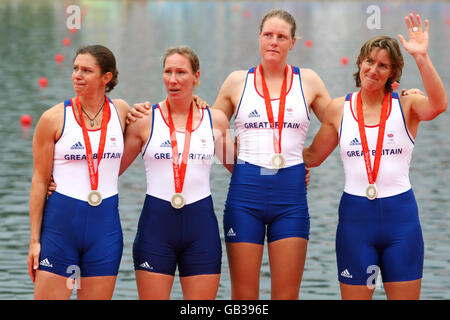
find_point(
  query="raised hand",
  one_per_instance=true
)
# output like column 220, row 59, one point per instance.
column 418, row 38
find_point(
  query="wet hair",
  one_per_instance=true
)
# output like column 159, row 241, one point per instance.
column 392, row 47
column 186, row 52
column 106, row 61
column 284, row 15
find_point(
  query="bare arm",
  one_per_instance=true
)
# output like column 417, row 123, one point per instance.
column 46, row 133
column 327, row 138
column 123, row 109
column 315, row 92
column 423, row 108
column 229, row 94
column 136, row 134
column 224, row 145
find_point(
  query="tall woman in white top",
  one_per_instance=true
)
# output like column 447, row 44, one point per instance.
column 275, row 198
column 379, row 227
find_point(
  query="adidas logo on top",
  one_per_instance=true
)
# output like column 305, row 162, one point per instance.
column 46, row 263
column 166, row 144
column 355, row 142
column 346, row 274
column 254, row 114
column 77, row 145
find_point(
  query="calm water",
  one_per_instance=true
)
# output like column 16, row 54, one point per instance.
column 224, row 34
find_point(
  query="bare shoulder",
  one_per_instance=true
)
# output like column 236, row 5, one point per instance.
column 122, row 106
column 54, row 114
column 311, row 81
column 336, row 105
column 234, row 83
column 237, row 76
column 219, row 118
column 407, row 100
column 120, row 103
column 333, row 112
column 309, row 75
column 230, row 92
column 52, row 121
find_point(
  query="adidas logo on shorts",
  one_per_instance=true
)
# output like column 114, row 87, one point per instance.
column 231, row 233
column 46, row 263
column 145, row 265
column 346, row 274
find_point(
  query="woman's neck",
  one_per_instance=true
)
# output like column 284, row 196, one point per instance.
column 273, row 70
column 92, row 104
column 372, row 99
column 180, row 106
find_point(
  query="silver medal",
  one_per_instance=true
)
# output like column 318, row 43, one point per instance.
column 177, row 201
column 278, row 161
column 371, row 191
column 94, row 198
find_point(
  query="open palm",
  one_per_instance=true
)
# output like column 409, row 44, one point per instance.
column 418, row 38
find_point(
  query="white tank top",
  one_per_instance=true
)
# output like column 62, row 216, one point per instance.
column 157, row 155
column 398, row 145
column 255, row 137
column 70, row 168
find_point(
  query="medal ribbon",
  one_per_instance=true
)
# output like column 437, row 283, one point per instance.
column 372, row 173
column 179, row 171
column 283, row 93
column 93, row 173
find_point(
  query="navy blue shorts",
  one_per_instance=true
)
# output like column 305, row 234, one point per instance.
column 379, row 235
column 260, row 198
column 188, row 237
column 78, row 239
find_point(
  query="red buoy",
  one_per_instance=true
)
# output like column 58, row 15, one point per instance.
column 308, row 43
column 66, row 41
column 344, row 60
column 59, row 58
column 26, row 120
column 43, row 82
